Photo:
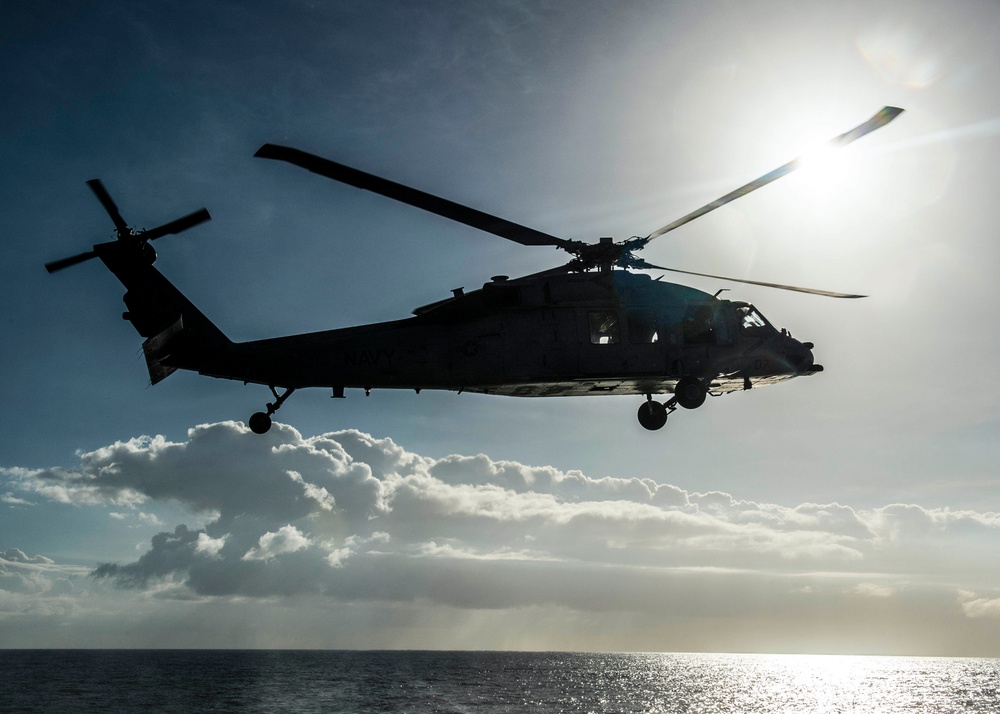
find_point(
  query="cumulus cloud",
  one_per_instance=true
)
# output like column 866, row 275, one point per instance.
column 350, row 517
column 288, row 539
column 209, row 546
column 170, row 553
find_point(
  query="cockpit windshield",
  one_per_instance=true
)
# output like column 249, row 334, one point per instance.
column 750, row 318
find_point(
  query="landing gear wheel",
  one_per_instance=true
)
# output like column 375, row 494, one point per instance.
column 260, row 423
column 652, row 415
column 690, row 393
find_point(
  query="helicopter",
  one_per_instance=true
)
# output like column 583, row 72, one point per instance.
column 589, row 327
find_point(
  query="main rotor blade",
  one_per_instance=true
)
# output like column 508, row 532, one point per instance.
column 181, row 224
column 57, row 265
column 419, row 199
column 883, row 117
column 105, row 198
column 642, row 264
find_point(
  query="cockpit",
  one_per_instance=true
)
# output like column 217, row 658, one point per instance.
column 749, row 317
column 712, row 323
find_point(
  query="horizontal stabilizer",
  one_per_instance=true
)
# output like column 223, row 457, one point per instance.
column 158, row 349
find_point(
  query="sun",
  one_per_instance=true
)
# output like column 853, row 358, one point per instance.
column 825, row 168
column 833, row 187
column 824, row 174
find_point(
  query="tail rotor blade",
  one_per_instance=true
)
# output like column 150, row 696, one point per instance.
column 57, row 265
column 177, row 226
column 109, row 205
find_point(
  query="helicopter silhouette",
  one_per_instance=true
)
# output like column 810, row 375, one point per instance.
column 589, row 327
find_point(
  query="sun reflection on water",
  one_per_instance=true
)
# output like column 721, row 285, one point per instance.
column 811, row 682
column 827, row 683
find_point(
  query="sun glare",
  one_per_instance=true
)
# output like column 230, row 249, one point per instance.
column 824, row 167
column 824, row 173
column 833, row 189
column 825, row 678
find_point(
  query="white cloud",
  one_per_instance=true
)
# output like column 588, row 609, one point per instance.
column 317, row 493
column 872, row 590
column 149, row 519
column 142, row 518
column 287, row 539
column 16, row 555
column 975, row 606
column 354, row 519
column 209, row 546
column 336, row 557
column 33, row 577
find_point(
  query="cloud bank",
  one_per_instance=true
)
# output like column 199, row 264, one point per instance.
column 345, row 518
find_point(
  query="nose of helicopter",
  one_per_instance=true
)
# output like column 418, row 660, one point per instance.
column 800, row 357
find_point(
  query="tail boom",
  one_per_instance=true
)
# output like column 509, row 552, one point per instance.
column 178, row 335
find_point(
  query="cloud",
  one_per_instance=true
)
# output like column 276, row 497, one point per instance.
column 11, row 499
column 354, row 518
column 33, row 576
column 15, row 555
column 288, row 539
column 141, row 518
column 975, row 606
column 872, row 590
column 170, row 553
column 348, row 528
column 217, row 470
column 207, row 545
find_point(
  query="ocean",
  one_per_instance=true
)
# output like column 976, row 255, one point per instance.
column 393, row 681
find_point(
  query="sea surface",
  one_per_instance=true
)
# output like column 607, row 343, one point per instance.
column 339, row 681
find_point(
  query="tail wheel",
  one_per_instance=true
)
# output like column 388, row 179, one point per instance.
column 690, row 393
column 260, row 423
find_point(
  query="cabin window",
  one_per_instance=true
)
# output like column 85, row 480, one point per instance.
column 604, row 328
column 642, row 327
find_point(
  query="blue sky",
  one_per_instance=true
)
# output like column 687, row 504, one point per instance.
column 856, row 511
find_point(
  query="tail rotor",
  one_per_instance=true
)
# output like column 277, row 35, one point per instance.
column 138, row 240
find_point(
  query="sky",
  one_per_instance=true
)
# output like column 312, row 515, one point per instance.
column 856, row 511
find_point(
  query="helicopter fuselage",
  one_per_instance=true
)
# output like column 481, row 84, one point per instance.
column 575, row 334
